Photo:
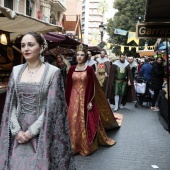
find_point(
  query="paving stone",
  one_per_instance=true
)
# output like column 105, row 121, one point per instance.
column 141, row 142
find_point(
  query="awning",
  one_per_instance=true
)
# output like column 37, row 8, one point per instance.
column 61, row 40
column 94, row 49
column 157, row 11
column 21, row 24
column 60, row 50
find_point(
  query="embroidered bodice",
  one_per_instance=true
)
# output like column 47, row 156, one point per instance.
column 79, row 79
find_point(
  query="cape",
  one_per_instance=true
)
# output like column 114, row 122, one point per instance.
column 102, row 60
column 90, row 62
column 101, row 107
column 54, row 147
column 130, row 95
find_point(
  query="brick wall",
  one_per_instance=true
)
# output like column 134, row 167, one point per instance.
column 73, row 7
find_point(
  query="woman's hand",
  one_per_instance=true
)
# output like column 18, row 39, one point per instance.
column 89, row 106
column 27, row 135
column 20, row 137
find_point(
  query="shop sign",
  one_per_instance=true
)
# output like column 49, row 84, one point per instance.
column 153, row 30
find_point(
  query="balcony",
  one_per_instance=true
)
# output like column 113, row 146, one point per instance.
column 60, row 5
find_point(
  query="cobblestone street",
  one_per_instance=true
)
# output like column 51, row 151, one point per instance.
column 141, row 142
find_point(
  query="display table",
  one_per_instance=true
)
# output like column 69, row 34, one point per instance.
column 2, row 100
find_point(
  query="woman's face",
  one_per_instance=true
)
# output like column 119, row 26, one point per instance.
column 159, row 61
column 80, row 56
column 30, row 48
column 59, row 59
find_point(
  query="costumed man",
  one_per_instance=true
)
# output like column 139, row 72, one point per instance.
column 90, row 61
column 103, row 68
column 133, row 65
column 121, row 85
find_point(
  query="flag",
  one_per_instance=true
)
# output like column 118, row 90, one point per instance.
column 120, row 32
column 122, row 48
column 132, row 37
column 108, row 45
column 137, row 49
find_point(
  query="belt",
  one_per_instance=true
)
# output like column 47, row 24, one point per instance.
column 101, row 73
column 123, row 80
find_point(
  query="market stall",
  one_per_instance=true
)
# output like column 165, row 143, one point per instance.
column 157, row 25
column 61, row 44
column 54, row 39
column 94, row 49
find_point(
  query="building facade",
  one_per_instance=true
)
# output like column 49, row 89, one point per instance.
column 94, row 12
column 91, row 19
column 50, row 11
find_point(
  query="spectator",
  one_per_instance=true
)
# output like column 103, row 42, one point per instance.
column 145, row 70
column 133, row 65
column 90, row 61
column 157, row 76
column 63, row 64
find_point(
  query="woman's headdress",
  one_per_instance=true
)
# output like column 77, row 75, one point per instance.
column 81, row 47
column 45, row 44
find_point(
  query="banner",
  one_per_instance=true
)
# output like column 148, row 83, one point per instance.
column 137, row 49
column 120, row 32
column 108, row 45
column 122, row 48
column 132, row 37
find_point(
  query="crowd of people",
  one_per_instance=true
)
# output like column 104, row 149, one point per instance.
column 53, row 112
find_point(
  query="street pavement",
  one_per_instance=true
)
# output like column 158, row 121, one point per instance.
column 142, row 144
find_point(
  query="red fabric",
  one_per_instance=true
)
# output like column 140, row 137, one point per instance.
column 92, row 116
column 38, row 14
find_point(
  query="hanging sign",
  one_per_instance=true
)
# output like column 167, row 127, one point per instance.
column 152, row 30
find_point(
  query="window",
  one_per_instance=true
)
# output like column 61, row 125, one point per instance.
column 29, row 6
column 8, row 4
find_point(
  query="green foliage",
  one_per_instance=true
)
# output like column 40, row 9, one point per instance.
column 126, row 18
column 103, row 6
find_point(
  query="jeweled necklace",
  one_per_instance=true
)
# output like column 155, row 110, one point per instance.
column 32, row 73
column 81, row 67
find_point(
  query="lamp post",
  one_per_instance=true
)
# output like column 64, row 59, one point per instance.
column 139, row 19
column 101, row 29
